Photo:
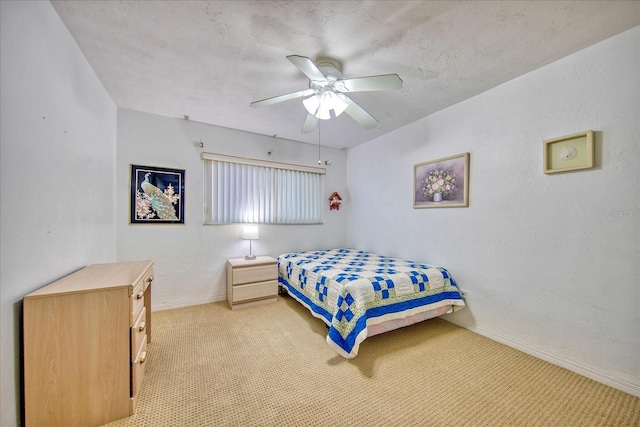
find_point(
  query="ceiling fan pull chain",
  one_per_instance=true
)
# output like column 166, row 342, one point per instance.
column 319, row 161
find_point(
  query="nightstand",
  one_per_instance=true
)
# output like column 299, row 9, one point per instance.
column 251, row 282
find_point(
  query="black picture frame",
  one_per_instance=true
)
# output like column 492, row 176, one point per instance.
column 157, row 195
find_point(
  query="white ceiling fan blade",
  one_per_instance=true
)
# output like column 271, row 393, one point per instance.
column 307, row 67
column 370, row 84
column 309, row 124
column 281, row 98
column 359, row 115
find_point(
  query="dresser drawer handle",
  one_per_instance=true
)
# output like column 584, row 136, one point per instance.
column 150, row 279
column 143, row 357
column 142, row 326
column 140, row 295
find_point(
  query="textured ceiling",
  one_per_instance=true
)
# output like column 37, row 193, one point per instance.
column 210, row 59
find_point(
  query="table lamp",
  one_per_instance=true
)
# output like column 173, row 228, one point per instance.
column 250, row 232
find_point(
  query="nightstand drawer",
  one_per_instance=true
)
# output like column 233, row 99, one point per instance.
column 258, row 273
column 255, row 291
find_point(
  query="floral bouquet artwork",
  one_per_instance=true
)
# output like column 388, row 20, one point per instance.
column 157, row 195
column 438, row 184
column 442, row 183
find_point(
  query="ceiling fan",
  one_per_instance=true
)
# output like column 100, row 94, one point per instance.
column 327, row 91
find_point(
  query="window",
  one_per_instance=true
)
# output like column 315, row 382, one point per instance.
column 239, row 190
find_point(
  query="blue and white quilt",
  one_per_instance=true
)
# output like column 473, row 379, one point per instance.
column 352, row 290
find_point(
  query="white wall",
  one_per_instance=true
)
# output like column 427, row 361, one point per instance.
column 190, row 259
column 551, row 262
column 58, row 147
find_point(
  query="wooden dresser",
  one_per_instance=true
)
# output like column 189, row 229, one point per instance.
column 251, row 282
column 85, row 345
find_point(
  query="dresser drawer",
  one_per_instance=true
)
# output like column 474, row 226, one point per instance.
column 138, row 333
column 255, row 291
column 137, row 302
column 137, row 373
column 140, row 296
column 258, row 273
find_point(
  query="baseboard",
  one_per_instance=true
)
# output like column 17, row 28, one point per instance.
column 594, row 374
column 183, row 304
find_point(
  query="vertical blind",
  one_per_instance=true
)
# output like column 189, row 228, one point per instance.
column 241, row 190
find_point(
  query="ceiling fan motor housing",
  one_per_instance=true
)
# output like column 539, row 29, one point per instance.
column 330, row 68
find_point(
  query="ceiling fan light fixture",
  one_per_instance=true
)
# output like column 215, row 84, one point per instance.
column 320, row 105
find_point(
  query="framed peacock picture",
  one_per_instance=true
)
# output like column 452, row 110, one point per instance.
column 157, row 195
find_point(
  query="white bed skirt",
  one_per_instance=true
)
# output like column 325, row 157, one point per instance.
column 390, row 325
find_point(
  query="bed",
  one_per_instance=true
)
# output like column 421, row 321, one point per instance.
column 360, row 294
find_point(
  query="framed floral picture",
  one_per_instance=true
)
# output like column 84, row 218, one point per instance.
column 442, row 183
column 157, row 195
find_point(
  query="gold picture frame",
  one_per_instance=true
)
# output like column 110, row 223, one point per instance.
column 569, row 153
column 442, row 183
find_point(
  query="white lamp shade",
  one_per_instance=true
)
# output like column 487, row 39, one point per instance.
column 250, row 232
column 339, row 104
column 323, row 111
column 311, row 104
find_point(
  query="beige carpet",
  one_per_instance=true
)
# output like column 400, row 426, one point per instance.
column 270, row 366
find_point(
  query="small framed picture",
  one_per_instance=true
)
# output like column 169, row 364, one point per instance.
column 157, row 195
column 442, row 183
column 569, row 153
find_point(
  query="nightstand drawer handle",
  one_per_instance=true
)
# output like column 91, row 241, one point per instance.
column 150, row 279
column 140, row 295
column 142, row 326
column 143, row 357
